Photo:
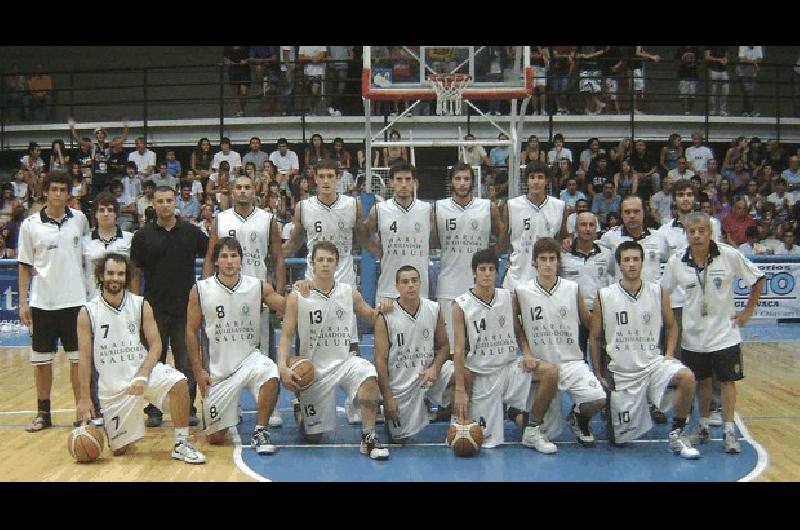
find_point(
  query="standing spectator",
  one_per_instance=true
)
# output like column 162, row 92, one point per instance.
column 737, row 222
column 590, row 85
column 100, row 152
column 606, row 202
column 636, row 65
column 499, row 154
column 187, row 204
column 117, row 159
column 776, row 156
column 285, row 160
column 562, row 67
column 316, row 152
column 645, row 167
column 717, row 59
column 163, row 178
column 343, row 56
column 255, row 155
column 201, row 159
column 174, row 168
column 59, row 159
column 558, row 152
column 626, row 182
column 670, row 153
column 237, row 58
column 233, row 158
column 688, row 74
column 792, row 173
column 288, row 59
column 314, row 71
column 165, row 251
column 144, row 158
column 131, row 191
column 533, row 151
column 265, row 62
column 16, row 89
column 698, row 155
column 598, row 175
column 611, row 66
column 40, row 93
column 750, row 58
column 540, row 58
column 50, row 252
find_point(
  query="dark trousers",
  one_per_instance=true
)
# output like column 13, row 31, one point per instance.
column 172, row 330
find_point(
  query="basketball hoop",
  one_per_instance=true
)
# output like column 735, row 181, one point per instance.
column 449, row 92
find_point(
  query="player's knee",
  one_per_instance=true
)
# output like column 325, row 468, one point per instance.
column 547, row 372
column 270, row 387
column 180, row 389
column 369, row 389
column 217, row 438
column 684, row 378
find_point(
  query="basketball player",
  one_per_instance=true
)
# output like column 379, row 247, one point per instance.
column 404, row 226
column 550, row 309
column 629, row 315
column 258, row 232
column 460, row 230
column 323, row 322
column 486, row 338
column 110, row 330
column 225, row 302
column 411, row 352
column 706, row 271
column 527, row 218
column 50, row 252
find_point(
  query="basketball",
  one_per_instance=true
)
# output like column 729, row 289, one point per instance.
column 304, row 368
column 465, row 438
column 85, row 443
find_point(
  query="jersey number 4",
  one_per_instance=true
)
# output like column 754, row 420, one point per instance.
column 479, row 327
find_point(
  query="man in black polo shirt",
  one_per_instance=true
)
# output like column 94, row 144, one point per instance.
column 166, row 250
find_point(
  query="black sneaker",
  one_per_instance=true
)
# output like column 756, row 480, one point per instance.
column 154, row 420
column 193, row 420
column 658, row 417
column 370, row 445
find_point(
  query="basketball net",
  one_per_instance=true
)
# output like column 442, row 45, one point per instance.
column 449, row 92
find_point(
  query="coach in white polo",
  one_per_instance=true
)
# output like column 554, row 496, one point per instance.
column 711, row 339
column 51, row 251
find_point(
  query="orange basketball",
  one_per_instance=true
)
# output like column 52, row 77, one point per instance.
column 465, row 438
column 303, row 367
column 85, row 443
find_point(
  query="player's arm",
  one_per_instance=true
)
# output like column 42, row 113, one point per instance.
column 295, row 240
column 85, row 408
column 153, row 339
column 460, row 397
column 442, row 343
column 269, row 296
column 276, row 250
column 362, row 308
column 288, row 328
column 208, row 261
column 566, row 240
column 583, row 311
column 24, row 282
column 368, row 228
column 433, row 240
column 505, row 237
column 194, row 317
column 382, row 366
column 596, row 338
column 498, row 228
column 528, row 360
column 670, row 327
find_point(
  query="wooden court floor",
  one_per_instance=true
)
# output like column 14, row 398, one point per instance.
column 768, row 401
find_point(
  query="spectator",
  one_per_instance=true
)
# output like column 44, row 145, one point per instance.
column 499, row 154
column 752, row 245
column 737, row 150
column 206, row 219
column 255, row 155
column 739, row 177
column 782, row 201
column 274, row 201
column 343, row 56
column 316, row 152
column 771, row 236
column 611, row 222
column 611, row 66
column 314, row 72
column 174, row 168
column 723, row 203
column 625, row 148
column 792, row 173
column 21, row 188
column 285, row 160
column 636, row 65
column 40, row 93
column 558, row 151
column 7, row 203
column 562, row 173
column 766, row 179
column 717, row 59
column 131, row 190
column 197, row 184
column 163, row 178
column 237, row 59
column 33, row 166
column 392, row 153
column 562, row 68
column 643, row 165
column 474, row 155
column 754, row 200
column 10, row 232
column 736, row 222
column 186, row 204
column 145, row 201
column 588, row 155
column 80, row 188
column 570, row 195
column 698, row 155
column 712, row 177
column 265, row 61
column 626, row 182
column 661, row 203
column 540, row 58
column 117, row 159
column 581, row 205
column 670, row 153
column 776, row 156
column 688, row 74
column 287, row 68
column 258, row 181
column 788, row 246
column 100, row 153
column 614, row 161
column 59, row 159
column 756, row 156
column 16, row 89
column 339, row 154
column 588, row 58
column 219, row 186
column 533, row 151
column 681, row 171
column 598, row 175
column 750, row 58
column 201, row 159
column 144, row 158
column 225, row 153
column 606, row 202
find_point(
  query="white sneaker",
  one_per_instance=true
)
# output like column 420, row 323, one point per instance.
column 533, row 437
column 370, row 445
column 745, row 114
column 687, row 113
column 331, row 111
column 732, row 446
column 238, row 114
column 337, row 113
column 638, row 112
column 755, row 114
column 185, row 451
column 680, row 445
column 715, row 419
column 262, row 444
column 723, row 113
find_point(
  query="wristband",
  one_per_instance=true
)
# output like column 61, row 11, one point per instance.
column 141, row 378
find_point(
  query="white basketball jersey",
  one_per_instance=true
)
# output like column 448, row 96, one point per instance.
column 324, row 325
column 528, row 222
column 411, row 348
column 550, row 320
column 117, row 349
column 632, row 326
column 655, row 245
column 404, row 235
column 232, row 320
column 463, row 231
column 334, row 223
column 591, row 271
column 253, row 233
column 491, row 342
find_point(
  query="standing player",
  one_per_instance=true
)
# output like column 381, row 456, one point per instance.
column 224, row 303
column 527, row 218
column 487, row 334
column 107, row 237
column 711, row 339
column 460, row 230
column 411, row 352
column 551, row 309
column 258, row 232
column 50, row 251
column 404, row 227
column 323, row 322
column 629, row 315
column 110, row 331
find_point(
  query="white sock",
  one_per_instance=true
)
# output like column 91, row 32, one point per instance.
column 704, row 422
column 730, row 427
column 181, row 434
column 260, row 428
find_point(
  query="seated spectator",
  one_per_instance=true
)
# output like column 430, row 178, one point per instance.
column 131, row 186
column 532, row 151
column 163, row 178
column 10, row 232
column 144, row 158
column 582, row 205
column 126, row 220
column 752, row 245
column 698, row 155
column 145, row 201
column 670, row 153
column 205, row 219
column 737, row 222
column 723, row 202
column 735, row 152
column 712, row 176
column 625, row 148
column 649, row 181
column 739, row 176
column 40, row 93
column 599, row 173
column 606, row 202
column 225, row 154
column 174, row 168
column 558, row 151
column 588, row 156
column 21, row 188
column 16, row 91
column 7, row 203
column 562, row 173
column 316, row 152
column 661, row 202
column 788, row 246
column 756, row 155
column 611, row 221
column 754, row 200
column 766, row 179
column 255, row 155
column 59, row 159
column 499, row 154
column 202, row 158
column 80, row 188
column 681, row 171
column 197, row 184
column 570, row 195
column 117, row 158
column 776, row 156
column 32, row 164
column 474, row 155
column 186, row 203
column 792, row 173
column 626, row 182
column 218, row 188
column 782, row 200
column 285, row 160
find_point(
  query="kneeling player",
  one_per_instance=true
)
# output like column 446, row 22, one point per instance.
column 110, row 327
column 230, row 305
column 324, row 323
column 406, row 339
column 550, row 309
column 486, row 335
column 630, row 313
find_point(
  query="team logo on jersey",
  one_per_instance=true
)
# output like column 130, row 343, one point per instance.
column 253, row 237
column 474, row 224
column 341, row 225
column 600, row 271
column 718, row 283
column 426, row 333
column 339, row 312
column 737, row 368
column 652, row 255
column 501, row 321
column 75, row 241
column 132, row 328
column 417, row 227
column 646, row 316
column 562, row 311
column 245, row 309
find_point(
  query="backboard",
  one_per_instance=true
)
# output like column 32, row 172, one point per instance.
column 401, row 72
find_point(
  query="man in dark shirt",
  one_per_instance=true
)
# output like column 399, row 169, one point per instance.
column 687, row 57
column 598, row 175
column 238, row 60
column 166, row 250
column 117, row 160
column 717, row 59
column 645, row 166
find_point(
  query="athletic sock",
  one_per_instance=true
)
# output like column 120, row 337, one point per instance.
column 181, row 434
column 260, row 428
column 678, row 423
column 533, row 423
column 704, row 423
column 730, row 427
column 43, row 408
